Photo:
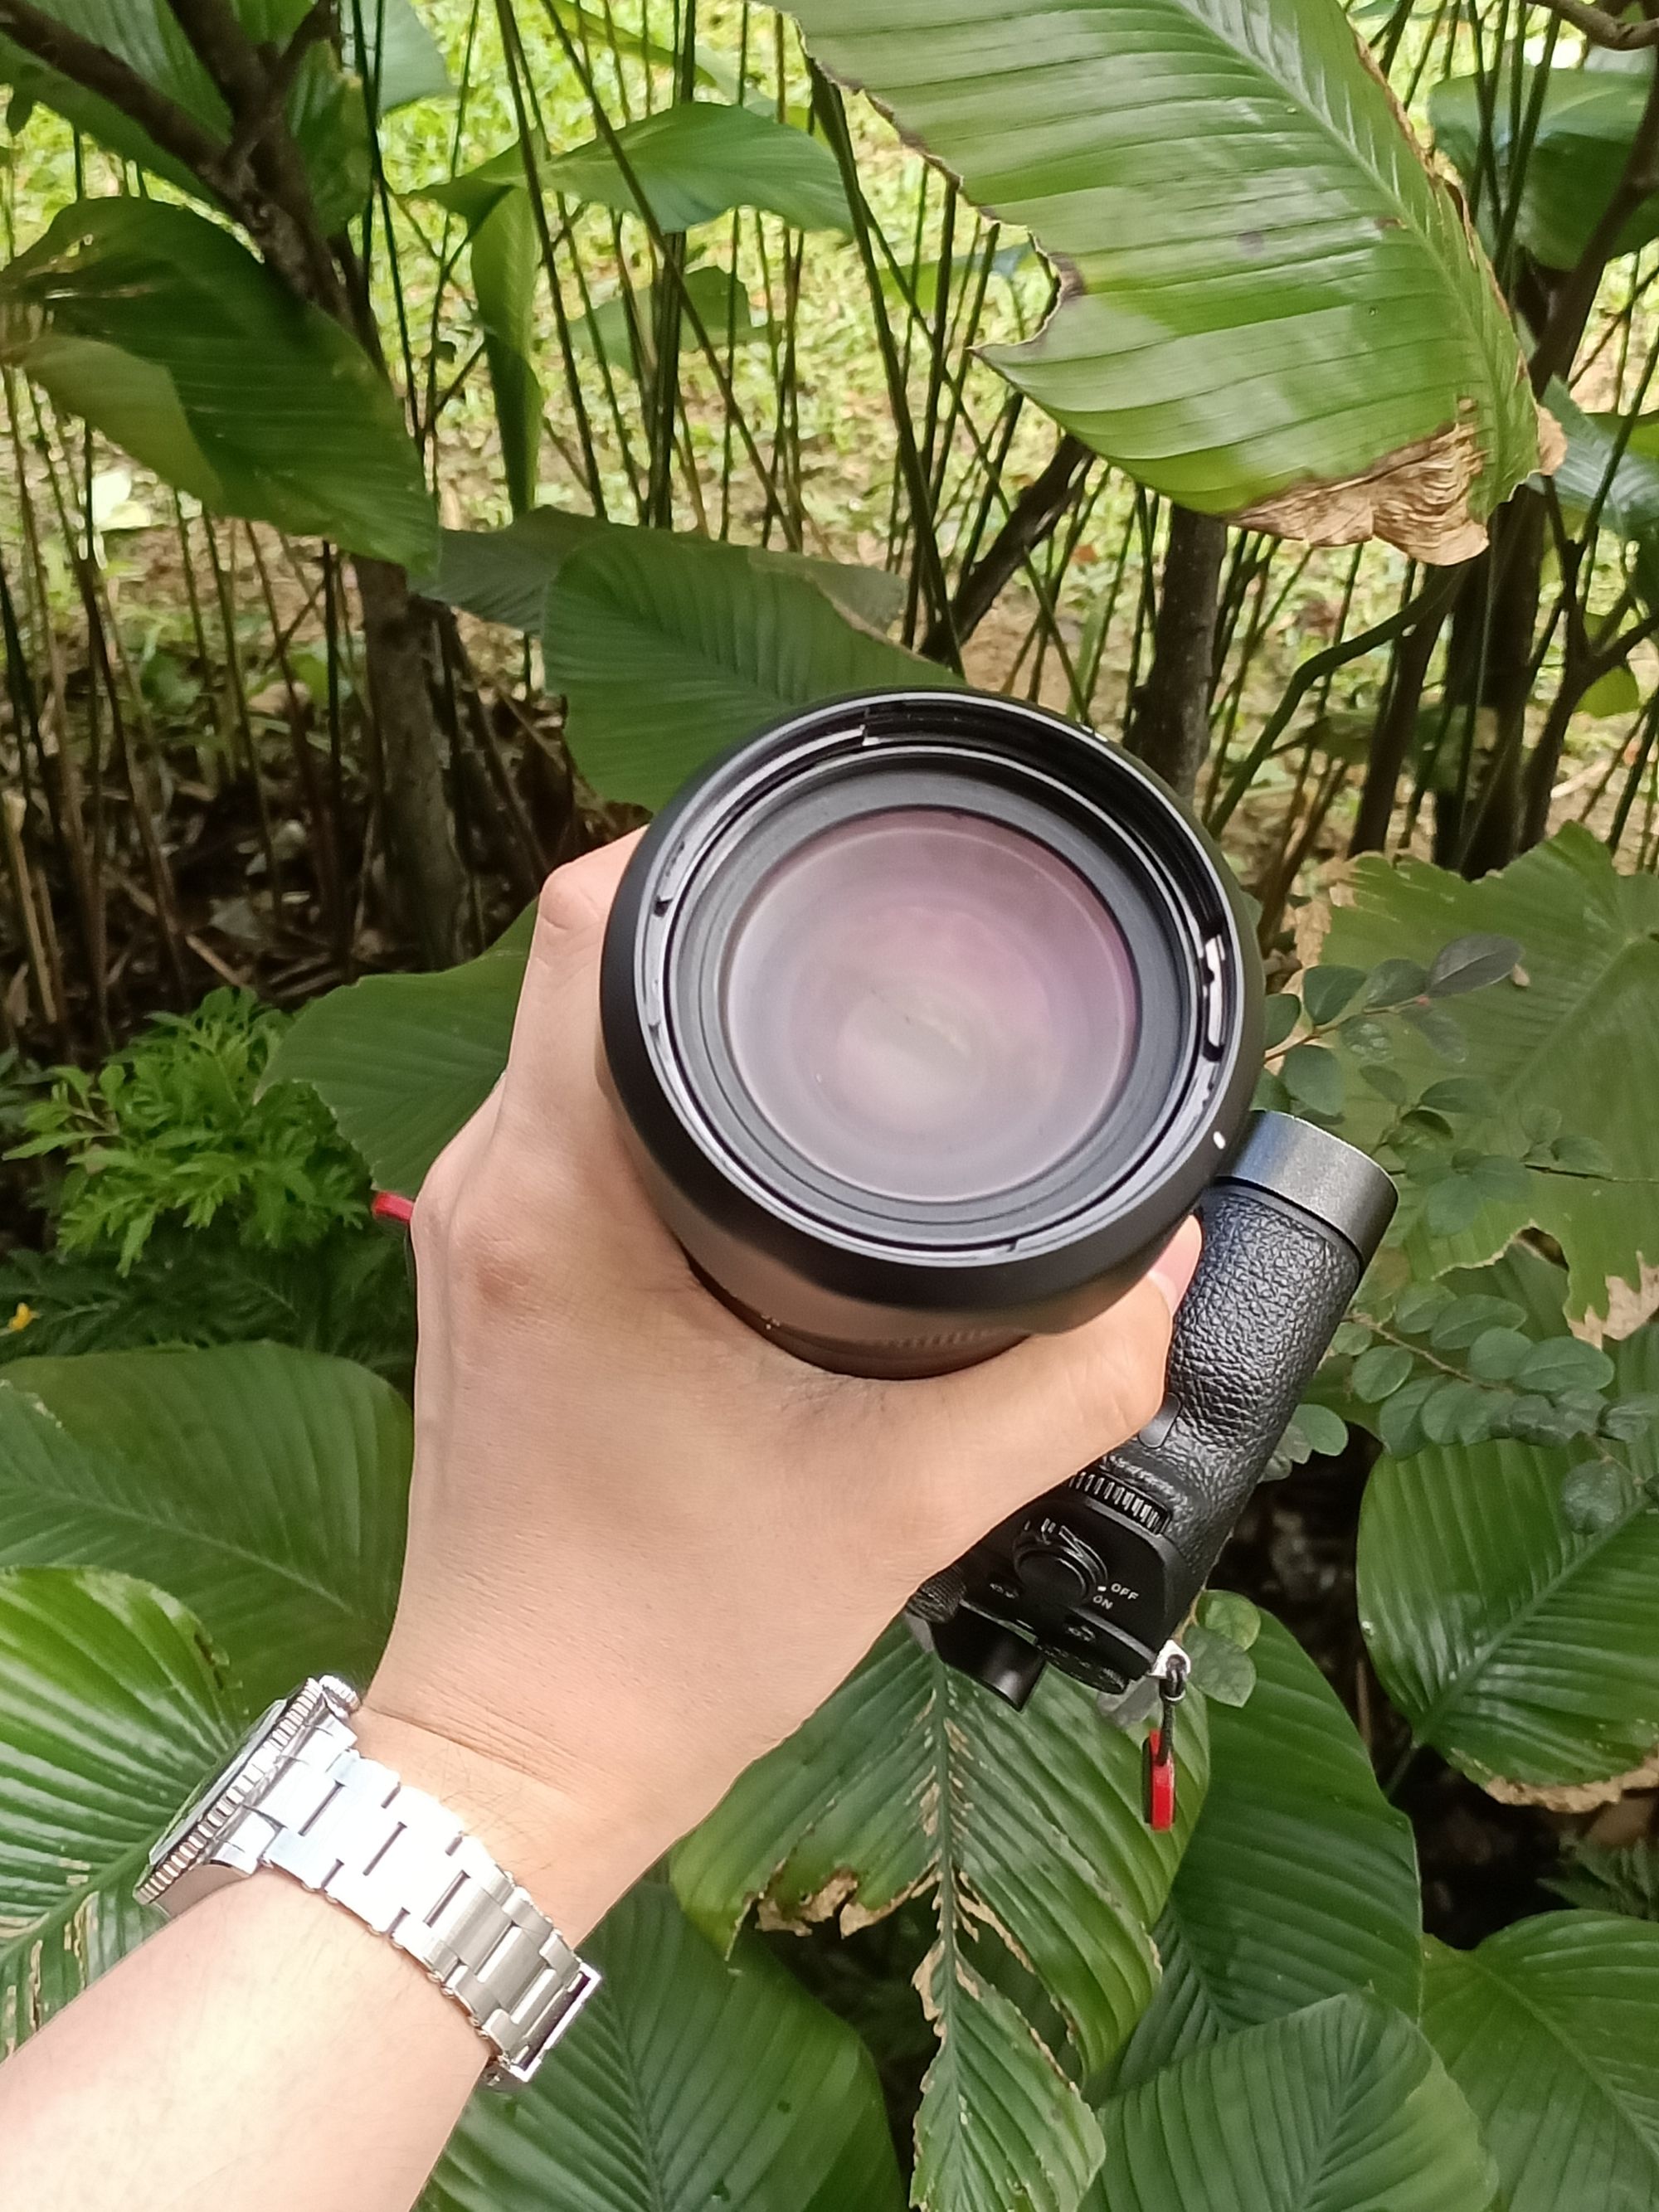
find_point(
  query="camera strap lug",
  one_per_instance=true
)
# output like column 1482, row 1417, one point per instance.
column 1171, row 1672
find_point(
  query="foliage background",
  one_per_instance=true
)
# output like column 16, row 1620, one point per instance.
column 611, row 382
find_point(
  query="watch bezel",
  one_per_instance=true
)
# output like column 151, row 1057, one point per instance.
column 193, row 1836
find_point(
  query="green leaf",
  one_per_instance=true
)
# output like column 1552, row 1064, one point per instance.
column 1497, row 1353
column 1221, row 1668
column 506, row 258
column 1387, row 1082
column 158, row 329
column 1521, row 1649
column 1224, row 1613
column 1457, row 1324
column 1565, row 1364
column 1279, row 1015
column 693, row 161
column 1461, row 1094
column 1469, row 963
column 1452, row 1204
column 1208, row 337
column 1631, row 1417
column 999, row 2123
column 1616, row 1878
column 324, row 107
column 1327, row 991
column 1596, row 1496
column 669, row 648
column 503, row 575
column 1419, row 1306
column 1601, row 469
column 1574, row 163
column 1322, row 1430
column 1380, row 1372
column 1582, row 1037
column 1576, row 1154
column 1313, row 1076
column 1550, row 2029
column 1044, row 1848
column 1441, row 1031
column 1399, row 1423
column 1499, row 1179
column 262, row 1487
column 693, row 2083
column 1270, row 1095
column 1448, row 1407
column 401, row 1062
column 1395, row 980
column 1616, row 693
column 406, row 65
column 1341, row 2107
column 114, row 1712
column 721, row 302
column 1300, row 1880
column 603, row 33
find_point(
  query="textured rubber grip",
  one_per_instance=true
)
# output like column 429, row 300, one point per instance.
column 1270, row 1287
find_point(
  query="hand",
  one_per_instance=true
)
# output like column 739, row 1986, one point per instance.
column 644, row 1543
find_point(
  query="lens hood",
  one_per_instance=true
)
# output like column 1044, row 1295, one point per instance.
column 863, row 1281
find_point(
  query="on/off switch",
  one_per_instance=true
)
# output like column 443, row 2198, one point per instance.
column 1056, row 1569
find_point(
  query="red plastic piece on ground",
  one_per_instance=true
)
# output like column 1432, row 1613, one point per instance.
column 1160, row 1785
column 392, row 1205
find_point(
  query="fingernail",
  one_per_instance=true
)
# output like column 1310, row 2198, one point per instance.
column 1174, row 1267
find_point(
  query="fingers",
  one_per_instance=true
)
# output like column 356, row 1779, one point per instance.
column 555, row 1033
column 981, row 1443
column 554, row 1186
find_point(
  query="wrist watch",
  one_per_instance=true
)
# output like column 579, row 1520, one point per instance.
column 300, row 1796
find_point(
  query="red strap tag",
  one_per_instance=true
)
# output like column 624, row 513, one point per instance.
column 1160, row 1781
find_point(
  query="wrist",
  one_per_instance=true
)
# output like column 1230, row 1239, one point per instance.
column 573, row 1851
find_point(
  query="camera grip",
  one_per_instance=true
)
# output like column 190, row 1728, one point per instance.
column 1099, row 1574
column 1271, row 1286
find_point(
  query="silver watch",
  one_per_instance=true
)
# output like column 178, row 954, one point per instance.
column 300, row 1796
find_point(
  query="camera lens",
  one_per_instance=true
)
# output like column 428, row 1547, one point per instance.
column 930, row 1005
column 929, row 1015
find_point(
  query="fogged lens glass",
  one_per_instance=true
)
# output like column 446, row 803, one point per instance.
column 929, row 1004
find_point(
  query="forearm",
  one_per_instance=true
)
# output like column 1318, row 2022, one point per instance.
column 268, row 2051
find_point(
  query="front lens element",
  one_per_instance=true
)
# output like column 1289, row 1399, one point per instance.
column 929, row 1005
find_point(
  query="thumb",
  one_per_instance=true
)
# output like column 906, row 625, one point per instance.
column 990, row 1439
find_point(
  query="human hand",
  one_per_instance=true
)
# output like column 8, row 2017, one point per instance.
column 644, row 1543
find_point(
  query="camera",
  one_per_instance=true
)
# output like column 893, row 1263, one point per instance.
column 929, row 1017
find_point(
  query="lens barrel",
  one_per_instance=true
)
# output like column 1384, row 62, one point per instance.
column 930, row 1015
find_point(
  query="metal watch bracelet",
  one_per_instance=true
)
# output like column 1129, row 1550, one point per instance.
column 300, row 1796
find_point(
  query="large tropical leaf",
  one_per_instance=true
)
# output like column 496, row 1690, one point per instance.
column 1273, row 308
column 505, row 254
column 262, row 1487
column 1300, row 1881
column 669, row 648
column 694, row 2083
column 324, row 107
column 1550, row 2029
column 1522, row 1647
column 503, row 575
column 1027, row 1830
column 401, row 1062
column 113, row 1712
column 158, row 329
column 1586, row 123
column 1341, row 2108
column 1580, row 1035
column 691, row 162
